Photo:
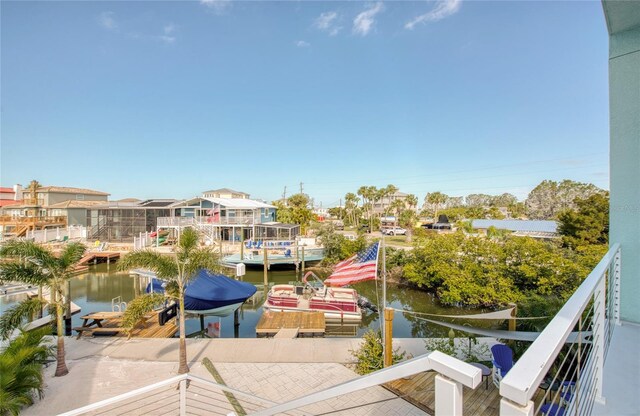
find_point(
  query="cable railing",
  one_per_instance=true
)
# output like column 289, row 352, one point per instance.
column 183, row 394
column 561, row 373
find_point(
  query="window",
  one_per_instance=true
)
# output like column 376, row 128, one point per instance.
column 79, row 197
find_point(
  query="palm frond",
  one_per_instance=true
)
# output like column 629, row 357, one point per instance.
column 22, row 248
column 188, row 241
column 202, row 258
column 164, row 266
column 137, row 308
column 21, row 370
column 71, row 255
column 29, row 273
column 13, row 317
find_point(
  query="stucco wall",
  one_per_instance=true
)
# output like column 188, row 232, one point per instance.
column 624, row 90
column 56, row 197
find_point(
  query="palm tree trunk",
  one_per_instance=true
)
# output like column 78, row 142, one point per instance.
column 61, row 367
column 183, row 367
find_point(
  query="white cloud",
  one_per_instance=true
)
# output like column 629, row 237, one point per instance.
column 444, row 8
column 363, row 23
column 302, row 44
column 169, row 29
column 216, row 6
column 107, row 20
column 328, row 22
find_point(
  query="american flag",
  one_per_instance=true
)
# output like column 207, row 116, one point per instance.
column 362, row 266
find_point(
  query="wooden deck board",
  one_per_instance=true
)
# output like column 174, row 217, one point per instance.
column 420, row 391
column 305, row 322
column 149, row 327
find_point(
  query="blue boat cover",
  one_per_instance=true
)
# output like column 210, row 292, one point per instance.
column 210, row 290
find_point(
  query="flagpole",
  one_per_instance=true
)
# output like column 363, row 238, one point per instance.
column 381, row 314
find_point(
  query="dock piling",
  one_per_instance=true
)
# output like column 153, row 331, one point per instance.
column 266, row 267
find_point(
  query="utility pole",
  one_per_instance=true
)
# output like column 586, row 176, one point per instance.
column 301, row 188
column 284, row 195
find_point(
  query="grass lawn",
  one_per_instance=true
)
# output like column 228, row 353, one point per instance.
column 397, row 240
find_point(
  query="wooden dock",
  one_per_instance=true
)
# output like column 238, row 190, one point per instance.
column 291, row 324
column 111, row 324
column 96, row 256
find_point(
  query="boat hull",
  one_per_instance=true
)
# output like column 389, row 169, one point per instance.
column 220, row 311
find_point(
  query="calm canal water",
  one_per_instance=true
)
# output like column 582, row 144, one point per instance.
column 93, row 292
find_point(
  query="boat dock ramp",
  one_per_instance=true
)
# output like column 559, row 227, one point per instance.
column 291, row 324
column 95, row 257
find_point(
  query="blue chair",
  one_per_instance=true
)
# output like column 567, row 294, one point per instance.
column 259, row 244
column 568, row 390
column 502, row 362
column 551, row 410
column 248, row 244
column 287, row 252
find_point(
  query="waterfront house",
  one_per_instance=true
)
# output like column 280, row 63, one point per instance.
column 225, row 193
column 9, row 196
column 46, row 207
column 121, row 221
column 228, row 219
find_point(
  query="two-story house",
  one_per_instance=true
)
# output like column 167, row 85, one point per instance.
column 229, row 219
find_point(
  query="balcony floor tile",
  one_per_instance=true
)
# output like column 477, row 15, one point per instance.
column 622, row 373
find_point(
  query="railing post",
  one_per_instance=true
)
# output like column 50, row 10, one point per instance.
column 448, row 397
column 183, row 397
column 509, row 408
column 599, row 335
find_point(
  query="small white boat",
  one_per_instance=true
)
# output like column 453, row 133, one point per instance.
column 337, row 304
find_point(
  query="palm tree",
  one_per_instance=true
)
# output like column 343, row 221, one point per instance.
column 32, row 264
column 179, row 267
column 351, row 204
column 436, row 199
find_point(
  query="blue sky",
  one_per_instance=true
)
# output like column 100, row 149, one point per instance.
column 168, row 99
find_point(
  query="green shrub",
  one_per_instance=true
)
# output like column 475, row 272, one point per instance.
column 369, row 355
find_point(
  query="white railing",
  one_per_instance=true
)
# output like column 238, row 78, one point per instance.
column 214, row 398
column 565, row 363
column 204, row 221
column 142, row 241
column 453, row 375
column 57, row 234
column 175, row 221
column 183, row 394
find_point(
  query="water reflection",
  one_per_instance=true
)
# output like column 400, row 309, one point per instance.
column 94, row 291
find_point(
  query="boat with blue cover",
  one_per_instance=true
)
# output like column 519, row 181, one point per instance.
column 211, row 294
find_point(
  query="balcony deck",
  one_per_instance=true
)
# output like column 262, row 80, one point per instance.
column 621, row 387
column 419, row 390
